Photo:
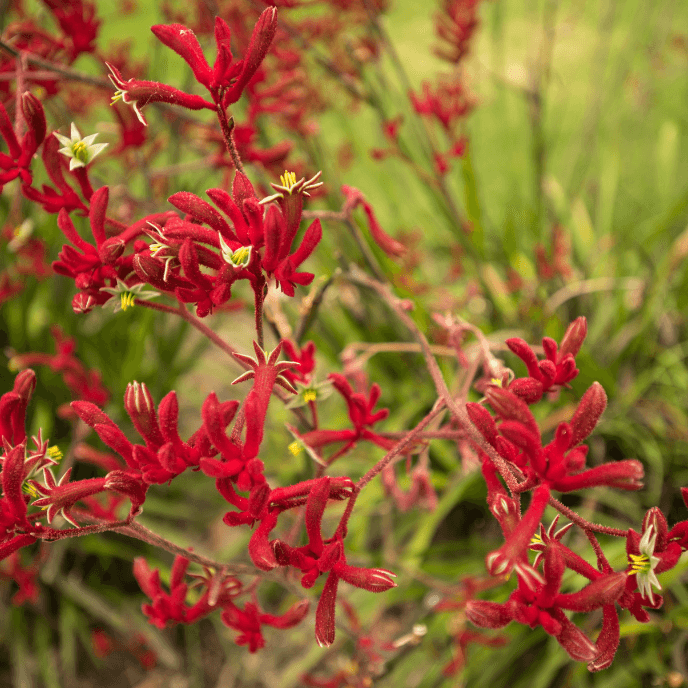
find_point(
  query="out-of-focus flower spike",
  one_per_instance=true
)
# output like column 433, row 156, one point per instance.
column 390, row 246
column 7, row 131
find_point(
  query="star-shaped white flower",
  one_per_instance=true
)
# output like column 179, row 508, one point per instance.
column 644, row 564
column 127, row 295
column 80, row 151
column 239, row 258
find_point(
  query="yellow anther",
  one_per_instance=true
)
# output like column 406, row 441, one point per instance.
column 309, row 395
column 639, row 563
column 30, row 490
column 241, row 255
column 54, row 453
column 80, row 150
column 288, row 179
column 295, row 448
column 127, row 300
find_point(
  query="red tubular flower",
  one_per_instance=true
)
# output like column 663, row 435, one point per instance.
column 305, row 357
column 560, row 463
column 559, row 367
column 13, row 409
column 513, row 552
column 170, row 606
column 14, row 470
column 390, row 246
column 17, row 542
column 320, row 556
column 266, row 373
column 541, row 603
column 285, row 273
column 164, row 456
column 248, row 621
column 138, row 92
column 227, row 79
column 51, row 200
column 62, row 496
column 78, row 22
column 18, row 162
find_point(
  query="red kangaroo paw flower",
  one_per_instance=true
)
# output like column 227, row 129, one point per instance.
column 13, row 474
column 325, row 612
column 16, row 543
column 34, row 116
column 184, row 42
column 140, row 406
column 573, row 338
column 137, row 93
column 390, row 246
column 502, row 560
column 578, row 646
column 607, row 641
column 588, row 412
column 62, row 496
column 261, row 38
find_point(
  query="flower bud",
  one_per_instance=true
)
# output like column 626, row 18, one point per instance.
column 34, row 116
column 590, row 408
column 573, row 338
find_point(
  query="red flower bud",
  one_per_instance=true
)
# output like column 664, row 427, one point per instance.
column 140, row 406
column 527, row 388
column 590, row 408
column 573, row 338
column 34, row 116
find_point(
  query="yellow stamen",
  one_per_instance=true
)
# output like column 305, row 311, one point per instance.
column 80, row 150
column 309, row 395
column 295, row 448
column 288, row 179
column 31, row 491
column 54, row 453
column 640, row 563
column 127, row 300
